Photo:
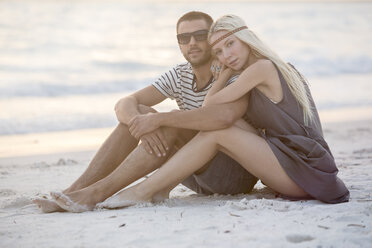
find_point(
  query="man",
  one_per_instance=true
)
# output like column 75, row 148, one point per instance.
column 121, row 161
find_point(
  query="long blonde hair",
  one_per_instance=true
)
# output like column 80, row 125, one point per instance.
column 294, row 80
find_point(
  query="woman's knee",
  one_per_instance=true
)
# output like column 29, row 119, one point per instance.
column 222, row 136
column 243, row 124
column 214, row 135
column 170, row 134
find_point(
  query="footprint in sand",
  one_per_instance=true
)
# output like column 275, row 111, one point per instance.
column 298, row 238
column 18, row 202
column 62, row 161
column 7, row 192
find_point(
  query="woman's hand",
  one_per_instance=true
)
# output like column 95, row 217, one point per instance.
column 221, row 76
column 216, row 68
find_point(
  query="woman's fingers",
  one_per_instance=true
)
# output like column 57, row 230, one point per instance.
column 216, row 68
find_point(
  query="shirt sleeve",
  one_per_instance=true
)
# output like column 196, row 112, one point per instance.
column 166, row 83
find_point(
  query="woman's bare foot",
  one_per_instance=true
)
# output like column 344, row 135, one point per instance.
column 47, row 206
column 161, row 196
column 125, row 198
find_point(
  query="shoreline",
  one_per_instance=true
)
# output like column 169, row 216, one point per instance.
column 88, row 140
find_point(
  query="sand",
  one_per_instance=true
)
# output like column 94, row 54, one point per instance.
column 33, row 165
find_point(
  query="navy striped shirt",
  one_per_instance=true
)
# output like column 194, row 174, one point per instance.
column 177, row 84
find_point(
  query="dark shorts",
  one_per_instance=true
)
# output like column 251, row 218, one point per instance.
column 223, row 176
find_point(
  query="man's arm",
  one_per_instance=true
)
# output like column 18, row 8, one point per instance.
column 127, row 107
column 133, row 105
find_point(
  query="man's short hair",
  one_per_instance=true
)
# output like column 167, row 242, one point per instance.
column 196, row 15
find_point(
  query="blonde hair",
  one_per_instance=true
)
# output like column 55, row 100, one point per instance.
column 293, row 78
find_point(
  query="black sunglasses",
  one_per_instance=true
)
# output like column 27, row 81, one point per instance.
column 199, row 35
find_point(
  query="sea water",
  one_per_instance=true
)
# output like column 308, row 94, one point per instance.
column 64, row 64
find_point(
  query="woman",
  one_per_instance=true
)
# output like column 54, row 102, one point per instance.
column 281, row 141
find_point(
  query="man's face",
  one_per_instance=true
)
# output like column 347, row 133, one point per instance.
column 196, row 52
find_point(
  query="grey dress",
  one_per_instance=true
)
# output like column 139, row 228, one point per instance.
column 300, row 149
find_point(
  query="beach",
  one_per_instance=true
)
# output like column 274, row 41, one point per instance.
column 63, row 66
column 258, row 219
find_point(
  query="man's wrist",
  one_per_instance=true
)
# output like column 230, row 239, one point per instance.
column 161, row 119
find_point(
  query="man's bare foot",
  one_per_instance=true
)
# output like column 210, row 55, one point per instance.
column 125, row 198
column 80, row 200
column 47, row 206
column 65, row 202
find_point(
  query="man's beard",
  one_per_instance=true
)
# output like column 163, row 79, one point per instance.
column 204, row 60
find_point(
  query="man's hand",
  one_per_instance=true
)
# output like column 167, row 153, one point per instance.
column 146, row 128
column 142, row 124
column 155, row 143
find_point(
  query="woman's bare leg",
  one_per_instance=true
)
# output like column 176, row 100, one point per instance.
column 246, row 147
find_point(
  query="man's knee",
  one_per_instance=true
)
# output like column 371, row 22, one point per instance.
column 170, row 132
column 122, row 128
column 182, row 136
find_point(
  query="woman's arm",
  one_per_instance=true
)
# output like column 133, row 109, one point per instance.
column 251, row 77
column 219, row 84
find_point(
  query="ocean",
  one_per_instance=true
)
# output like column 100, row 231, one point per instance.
column 64, row 64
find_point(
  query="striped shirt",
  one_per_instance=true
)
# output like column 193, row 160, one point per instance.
column 178, row 84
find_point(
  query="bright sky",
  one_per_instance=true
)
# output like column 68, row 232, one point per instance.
column 227, row 1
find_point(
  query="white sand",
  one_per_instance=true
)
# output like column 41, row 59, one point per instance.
column 32, row 165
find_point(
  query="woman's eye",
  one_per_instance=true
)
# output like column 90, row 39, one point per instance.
column 230, row 43
column 218, row 53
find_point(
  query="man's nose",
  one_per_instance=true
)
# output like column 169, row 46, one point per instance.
column 192, row 40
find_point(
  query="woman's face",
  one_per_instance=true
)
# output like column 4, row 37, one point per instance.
column 230, row 51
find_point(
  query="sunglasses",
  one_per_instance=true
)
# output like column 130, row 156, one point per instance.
column 200, row 35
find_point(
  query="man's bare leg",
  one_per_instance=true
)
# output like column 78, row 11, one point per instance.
column 110, row 155
column 137, row 164
column 112, row 152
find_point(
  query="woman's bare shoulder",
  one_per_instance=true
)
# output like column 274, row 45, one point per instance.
column 264, row 64
column 264, row 69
